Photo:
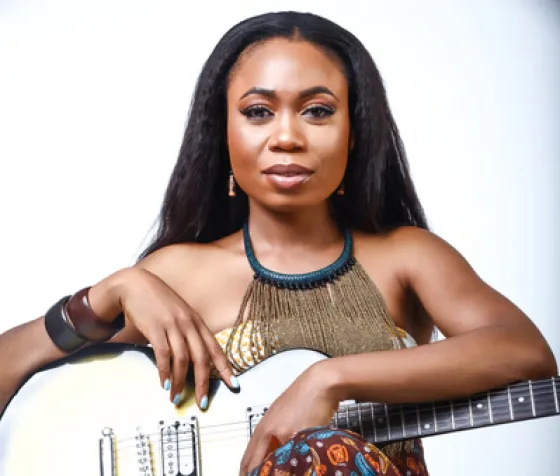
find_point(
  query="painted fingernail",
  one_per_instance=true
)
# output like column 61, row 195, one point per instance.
column 167, row 384
column 204, row 403
column 177, row 399
column 234, row 382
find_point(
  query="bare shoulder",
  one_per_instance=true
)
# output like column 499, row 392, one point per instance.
column 446, row 286
column 211, row 277
column 186, row 263
column 426, row 281
column 409, row 249
column 170, row 260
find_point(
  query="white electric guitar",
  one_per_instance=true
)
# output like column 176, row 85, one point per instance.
column 102, row 413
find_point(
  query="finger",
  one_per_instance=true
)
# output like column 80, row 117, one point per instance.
column 201, row 365
column 180, row 363
column 217, row 356
column 256, row 452
column 162, row 353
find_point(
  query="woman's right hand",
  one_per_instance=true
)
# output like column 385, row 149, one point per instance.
column 176, row 332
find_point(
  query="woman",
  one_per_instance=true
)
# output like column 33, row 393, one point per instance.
column 291, row 162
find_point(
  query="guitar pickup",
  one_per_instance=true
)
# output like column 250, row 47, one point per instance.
column 254, row 415
column 179, row 448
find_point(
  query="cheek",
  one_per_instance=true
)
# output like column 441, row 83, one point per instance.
column 333, row 146
column 244, row 143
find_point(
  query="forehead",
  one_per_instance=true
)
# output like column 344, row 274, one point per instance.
column 283, row 64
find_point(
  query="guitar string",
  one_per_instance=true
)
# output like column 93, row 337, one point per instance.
column 353, row 409
column 187, row 445
column 183, row 442
column 367, row 407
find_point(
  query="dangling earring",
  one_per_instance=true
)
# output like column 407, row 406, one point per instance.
column 340, row 190
column 231, row 190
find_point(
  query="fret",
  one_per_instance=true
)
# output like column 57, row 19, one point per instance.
column 380, row 423
column 435, row 418
column 367, row 423
column 388, row 421
column 410, row 420
column 489, row 407
column 520, row 401
column 336, row 424
column 444, row 416
column 396, row 422
column 352, row 411
column 452, row 415
column 426, row 419
column 360, row 425
column 402, row 421
column 543, row 397
column 372, row 409
column 461, row 416
column 471, row 419
column 347, row 417
column 555, row 394
column 500, row 406
column 532, row 398
column 480, row 410
column 510, row 405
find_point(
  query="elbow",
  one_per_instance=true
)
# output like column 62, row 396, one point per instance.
column 539, row 362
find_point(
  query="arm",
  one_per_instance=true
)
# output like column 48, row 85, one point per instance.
column 155, row 313
column 490, row 342
column 27, row 347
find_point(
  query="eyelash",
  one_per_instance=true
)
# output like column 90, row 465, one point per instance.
column 255, row 112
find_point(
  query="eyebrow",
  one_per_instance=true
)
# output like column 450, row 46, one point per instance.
column 302, row 95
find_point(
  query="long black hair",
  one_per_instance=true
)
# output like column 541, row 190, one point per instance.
column 379, row 193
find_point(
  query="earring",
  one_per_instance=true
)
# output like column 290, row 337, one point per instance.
column 340, row 190
column 231, row 189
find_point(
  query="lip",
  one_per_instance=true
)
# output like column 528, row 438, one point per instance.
column 287, row 176
column 287, row 170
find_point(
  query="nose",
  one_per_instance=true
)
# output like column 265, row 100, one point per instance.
column 287, row 134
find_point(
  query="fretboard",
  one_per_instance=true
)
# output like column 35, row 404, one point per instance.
column 380, row 423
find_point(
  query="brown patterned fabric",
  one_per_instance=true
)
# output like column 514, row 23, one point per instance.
column 324, row 451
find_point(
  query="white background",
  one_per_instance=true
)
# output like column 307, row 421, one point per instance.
column 93, row 101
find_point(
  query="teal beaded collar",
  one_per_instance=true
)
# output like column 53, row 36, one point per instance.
column 310, row 280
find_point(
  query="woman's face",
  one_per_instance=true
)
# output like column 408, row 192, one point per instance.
column 288, row 124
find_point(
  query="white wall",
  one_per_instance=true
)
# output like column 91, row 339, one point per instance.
column 93, row 99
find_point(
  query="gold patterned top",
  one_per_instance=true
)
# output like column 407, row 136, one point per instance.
column 244, row 355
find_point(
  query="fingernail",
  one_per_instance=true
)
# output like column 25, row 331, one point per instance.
column 204, row 403
column 167, row 384
column 177, row 399
column 234, row 382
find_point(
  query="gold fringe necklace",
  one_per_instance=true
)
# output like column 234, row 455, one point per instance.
column 336, row 310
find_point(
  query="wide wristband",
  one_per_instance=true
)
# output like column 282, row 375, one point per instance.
column 63, row 335
column 88, row 324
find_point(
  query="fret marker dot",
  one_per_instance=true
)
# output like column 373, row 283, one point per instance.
column 480, row 406
column 427, row 426
column 520, row 399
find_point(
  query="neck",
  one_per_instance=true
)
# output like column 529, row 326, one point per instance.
column 312, row 227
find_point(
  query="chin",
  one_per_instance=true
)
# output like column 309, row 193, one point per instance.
column 290, row 203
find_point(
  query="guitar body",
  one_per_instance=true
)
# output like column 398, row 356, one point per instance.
column 54, row 423
column 103, row 413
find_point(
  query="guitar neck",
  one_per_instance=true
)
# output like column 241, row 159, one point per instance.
column 382, row 423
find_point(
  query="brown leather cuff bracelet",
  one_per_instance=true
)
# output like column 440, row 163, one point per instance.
column 88, row 324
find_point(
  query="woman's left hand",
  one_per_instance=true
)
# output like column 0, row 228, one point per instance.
column 307, row 403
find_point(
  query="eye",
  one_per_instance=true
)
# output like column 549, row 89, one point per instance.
column 319, row 111
column 256, row 112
